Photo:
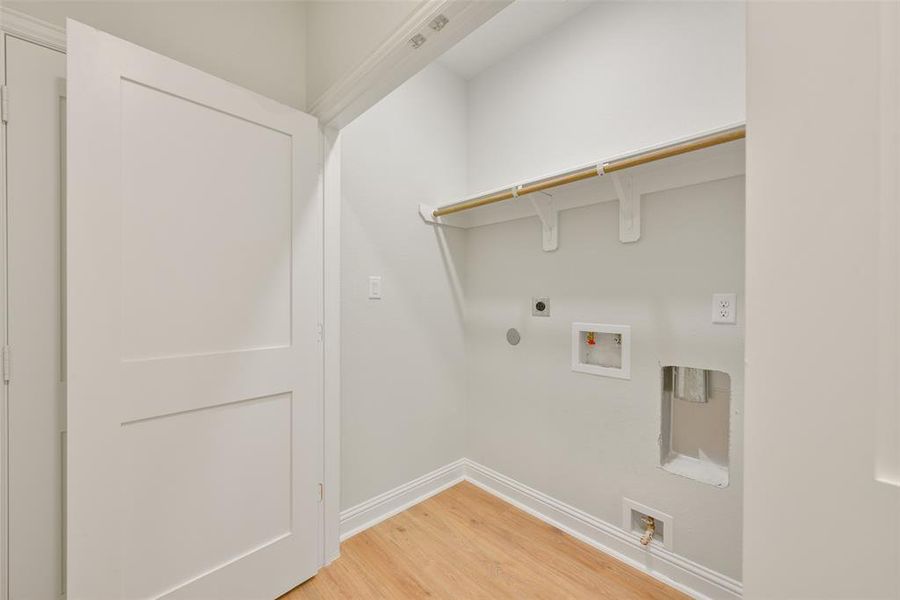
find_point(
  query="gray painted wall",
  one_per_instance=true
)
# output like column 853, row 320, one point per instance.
column 430, row 359
column 403, row 370
column 588, row 440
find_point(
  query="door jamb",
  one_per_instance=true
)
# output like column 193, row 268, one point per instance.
column 331, row 350
column 19, row 25
column 385, row 69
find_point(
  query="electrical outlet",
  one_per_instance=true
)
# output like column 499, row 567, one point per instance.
column 540, row 307
column 724, row 308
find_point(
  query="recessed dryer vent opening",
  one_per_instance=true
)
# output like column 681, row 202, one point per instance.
column 695, row 423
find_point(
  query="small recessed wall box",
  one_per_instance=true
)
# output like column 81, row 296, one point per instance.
column 632, row 521
column 601, row 349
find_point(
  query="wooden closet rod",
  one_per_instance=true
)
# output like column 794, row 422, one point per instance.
column 608, row 167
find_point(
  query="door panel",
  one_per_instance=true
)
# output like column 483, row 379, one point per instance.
column 194, row 289
column 35, row 76
column 231, row 470
column 227, row 186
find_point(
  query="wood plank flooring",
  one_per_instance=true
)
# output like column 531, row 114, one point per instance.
column 467, row 544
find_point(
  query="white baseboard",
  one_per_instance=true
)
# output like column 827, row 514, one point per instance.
column 386, row 505
column 682, row 574
column 674, row 570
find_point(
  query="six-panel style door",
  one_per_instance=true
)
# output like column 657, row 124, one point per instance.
column 194, row 295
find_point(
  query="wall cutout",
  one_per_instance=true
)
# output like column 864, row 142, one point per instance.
column 602, row 349
column 695, row 423
column 633, row 521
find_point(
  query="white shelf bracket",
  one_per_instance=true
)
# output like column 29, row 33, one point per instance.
column 549, row 216
column 427, row 214
column 629, row 207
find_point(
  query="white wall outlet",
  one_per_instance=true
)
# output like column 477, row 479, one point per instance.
column 540, row 307
column 375, row 287
column 724, row 308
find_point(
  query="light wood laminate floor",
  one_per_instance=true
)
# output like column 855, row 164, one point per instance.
column 467, row 544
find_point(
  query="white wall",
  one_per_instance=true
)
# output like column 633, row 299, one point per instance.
column 587, row 440
column 817, row 523
column 616, row 77
column 258, row 45
column 409, row 368
column 619, row 76
column 403, row 377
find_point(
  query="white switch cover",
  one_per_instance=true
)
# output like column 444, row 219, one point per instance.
column 724, row 308
column 374, row 287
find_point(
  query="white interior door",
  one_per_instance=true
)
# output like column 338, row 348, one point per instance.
column 35, row 78
column 194, row 294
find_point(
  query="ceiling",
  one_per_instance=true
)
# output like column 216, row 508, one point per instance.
column 512, row 28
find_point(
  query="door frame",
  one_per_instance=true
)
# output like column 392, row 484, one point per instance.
column 385, row 69
column 13, row 24
column 25, row 27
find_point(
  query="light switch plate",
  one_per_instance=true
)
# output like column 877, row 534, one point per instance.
column 374, row 287
column 724, row 308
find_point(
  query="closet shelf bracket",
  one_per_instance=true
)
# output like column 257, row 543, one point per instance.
column 629, row 207
column 427, row 214
column 549, row 216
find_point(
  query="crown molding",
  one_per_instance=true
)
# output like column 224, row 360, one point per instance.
column 32, row 29
column 395, row 60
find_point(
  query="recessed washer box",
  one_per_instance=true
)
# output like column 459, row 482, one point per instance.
column 601, row 349
column 632, row 521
